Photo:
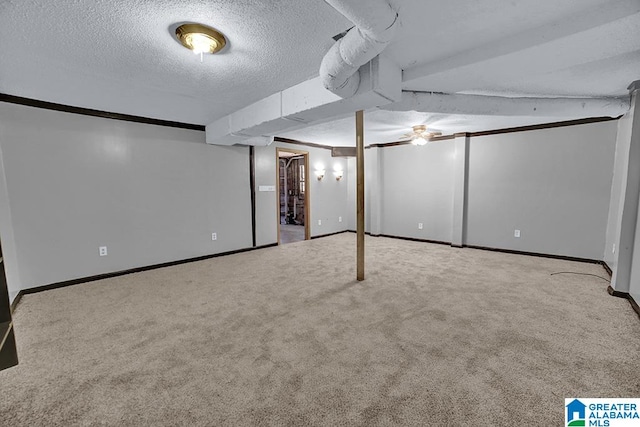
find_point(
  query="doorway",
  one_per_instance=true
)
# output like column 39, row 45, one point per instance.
column 292, row 176
column 8, row 352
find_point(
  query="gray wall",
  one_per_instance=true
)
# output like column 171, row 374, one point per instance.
column 634, row 282
column 150, row 194
column 155, row 194
column 618, row 186
column 6, row 235
column 373, row 196
column 328, row 198
column 554, row 185
column 418, row 188
column 351, row 193
column 622, row 231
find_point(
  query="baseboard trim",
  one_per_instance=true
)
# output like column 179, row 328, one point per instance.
column 617, row 294
column 129, row 271
column 410, row 239
column 607, row 268
column 536, row 254
column 320, row 236
column 627, row 296
column 634, row 305
column 16, row 300
column 414, row 239
column 487, row 248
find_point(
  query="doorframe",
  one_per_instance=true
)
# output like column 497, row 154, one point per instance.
column 307, row 208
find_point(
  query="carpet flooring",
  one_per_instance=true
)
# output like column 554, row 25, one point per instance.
column 285, row 336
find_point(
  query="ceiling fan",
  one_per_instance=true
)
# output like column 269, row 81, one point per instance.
column 420, row 135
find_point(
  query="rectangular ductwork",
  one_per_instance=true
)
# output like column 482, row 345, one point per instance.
column 304, row 104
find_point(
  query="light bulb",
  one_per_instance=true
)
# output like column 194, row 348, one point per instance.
column 201, row 43
column 419, row 141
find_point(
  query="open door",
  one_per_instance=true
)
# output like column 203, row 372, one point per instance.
column 292, row 176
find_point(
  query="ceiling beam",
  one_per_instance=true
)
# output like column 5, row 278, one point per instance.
column 481, row 105
column 490, row 56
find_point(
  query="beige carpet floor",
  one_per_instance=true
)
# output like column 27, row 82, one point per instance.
column 285, row 336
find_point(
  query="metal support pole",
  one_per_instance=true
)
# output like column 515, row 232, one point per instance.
column 360, row 193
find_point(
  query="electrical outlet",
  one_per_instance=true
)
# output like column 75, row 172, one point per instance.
column 516, row 233
column 102, row 250
column 214, row 236
column 614, row 249
column 339, row 219
column 420, row 226
column 319, row 222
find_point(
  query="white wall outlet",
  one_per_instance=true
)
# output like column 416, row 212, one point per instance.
column 516, row 233
column 214, row 236
column 319, row 222
column 420, row 226
column 339, row 219
column 102, row 250
column 614, row 249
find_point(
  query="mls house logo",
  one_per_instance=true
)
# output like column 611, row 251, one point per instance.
column 576, row 413
column 600, row 412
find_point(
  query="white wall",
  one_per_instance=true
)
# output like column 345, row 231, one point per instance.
column 9, row 253
column 621, row 159
column 634, row 282
column 373, row 194
column 154, row 194
column 418, row 188
column 151, row 194
column 553, row 184
column 622, row 230
column 351, row 193
column 328, row 198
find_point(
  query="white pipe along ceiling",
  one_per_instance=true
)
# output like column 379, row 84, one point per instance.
column 353, row 77
column 375, row 25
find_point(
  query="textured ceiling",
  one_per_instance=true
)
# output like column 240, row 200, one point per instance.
column 390, row 126
column 120, row 56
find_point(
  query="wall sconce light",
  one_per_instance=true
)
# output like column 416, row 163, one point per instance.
column 338, row 174
column 319, row 174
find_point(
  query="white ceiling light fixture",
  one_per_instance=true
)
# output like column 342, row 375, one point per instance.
column 200, row 39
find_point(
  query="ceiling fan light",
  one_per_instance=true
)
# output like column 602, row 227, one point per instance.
column 419, row 140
